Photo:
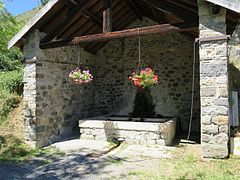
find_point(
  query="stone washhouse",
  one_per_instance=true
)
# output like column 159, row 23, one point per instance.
column 182, row 40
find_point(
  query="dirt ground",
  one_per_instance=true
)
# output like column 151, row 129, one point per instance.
column 83, row 160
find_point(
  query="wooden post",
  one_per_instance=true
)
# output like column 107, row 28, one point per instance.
column 107, row 16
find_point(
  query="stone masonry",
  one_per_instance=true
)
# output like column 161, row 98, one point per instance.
column 172, row 63
column 54, row 104
column 213, row 83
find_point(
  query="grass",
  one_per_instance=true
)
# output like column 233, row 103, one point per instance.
column 15, row 150
column 12, row 146
column 190, row 167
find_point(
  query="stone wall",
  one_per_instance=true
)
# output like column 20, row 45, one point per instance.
column 54, row 103
column 214, row 83
column 171, row 57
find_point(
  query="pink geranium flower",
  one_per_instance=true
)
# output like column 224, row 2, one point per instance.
column 146, row 78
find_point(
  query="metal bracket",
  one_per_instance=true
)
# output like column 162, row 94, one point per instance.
column 213, row 38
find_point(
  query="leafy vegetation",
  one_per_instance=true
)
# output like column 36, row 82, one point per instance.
column 14, row 149
column 43, row 2
column 10, row 90
column 10, row 59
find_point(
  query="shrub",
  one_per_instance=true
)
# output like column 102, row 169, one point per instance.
column 8, row 104
column 11, row 84
column 12, row 81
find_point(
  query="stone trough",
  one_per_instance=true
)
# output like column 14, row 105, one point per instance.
column 150, row 131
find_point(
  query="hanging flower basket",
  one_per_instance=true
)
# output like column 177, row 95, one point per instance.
column 79, row 76
column 145, row 79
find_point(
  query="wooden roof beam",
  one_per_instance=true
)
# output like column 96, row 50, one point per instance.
column 191, row 2
column 52, row 34
column 184, row 6
column 95, row 19
column 103, row 37
column 162, row 5
column 88, row 14
column 136, row 10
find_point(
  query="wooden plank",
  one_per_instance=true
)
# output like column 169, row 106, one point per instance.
column 128, row 33
column 133, row 6
column 82, row 5
column 93, row 17
column 87, row 28
column 191, row 2
column 107, row 16
column 162, row 5
column 184, row 6
column 233, row 5
column 165, row 28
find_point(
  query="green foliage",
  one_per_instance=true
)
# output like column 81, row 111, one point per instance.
column 11, row 85
column 14, row 149
column 9, row 58
column 12, row 81
column 43, row 2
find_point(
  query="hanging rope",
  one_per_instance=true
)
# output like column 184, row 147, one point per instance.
column 78, row 55
column 193, row 88
column 139, row 50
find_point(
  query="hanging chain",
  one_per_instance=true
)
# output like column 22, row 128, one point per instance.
column 139, row 50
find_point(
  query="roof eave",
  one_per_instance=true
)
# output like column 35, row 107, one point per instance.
column 233, row 5
column 16, row 40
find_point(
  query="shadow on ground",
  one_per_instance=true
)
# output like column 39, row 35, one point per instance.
column 70, row 166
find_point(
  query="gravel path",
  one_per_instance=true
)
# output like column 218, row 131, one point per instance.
column 87, row 160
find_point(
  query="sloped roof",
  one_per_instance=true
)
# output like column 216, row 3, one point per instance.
column 66, row 19
column 233, row 5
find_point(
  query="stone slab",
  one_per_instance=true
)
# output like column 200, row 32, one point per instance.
column 126, row 125
column 84, row 147
column 133, row 132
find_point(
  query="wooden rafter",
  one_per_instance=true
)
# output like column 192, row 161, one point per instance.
column 95, row 19
column 185, row 6
column 52, row 34
column 162, row 5
column 104, row 37
column 134, row 8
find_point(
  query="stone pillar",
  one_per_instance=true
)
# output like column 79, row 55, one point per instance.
column 31, row 54
column 213, row 83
